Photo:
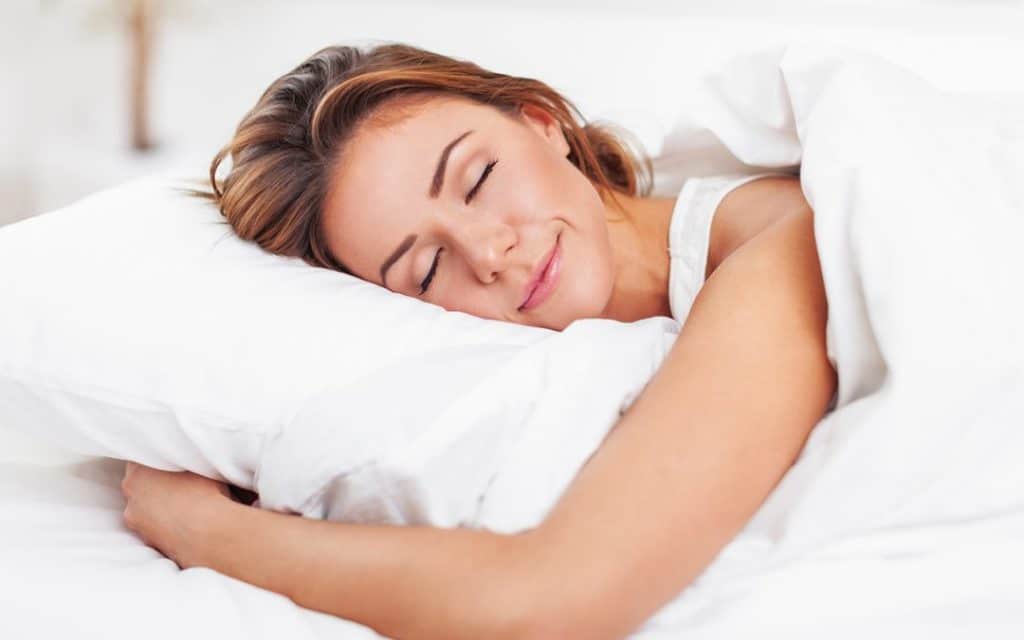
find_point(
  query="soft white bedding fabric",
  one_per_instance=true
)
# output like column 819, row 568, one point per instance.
column 908, row 500
column 497, row 455
column 70, row 569
column 904, row 514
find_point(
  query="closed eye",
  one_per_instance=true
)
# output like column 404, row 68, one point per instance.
column 480, row 182
column 430, row 275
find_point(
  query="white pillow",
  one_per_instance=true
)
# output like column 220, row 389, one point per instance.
column 137, row 325
column 154, row 333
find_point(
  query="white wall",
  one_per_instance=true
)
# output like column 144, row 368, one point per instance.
column 63, row 107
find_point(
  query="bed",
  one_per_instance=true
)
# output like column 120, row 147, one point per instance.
column 70, row 568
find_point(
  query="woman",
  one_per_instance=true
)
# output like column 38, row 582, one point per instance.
column 438, row 179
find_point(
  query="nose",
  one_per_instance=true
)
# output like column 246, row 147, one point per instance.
column 486, row 245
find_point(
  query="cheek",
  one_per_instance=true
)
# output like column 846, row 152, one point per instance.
column 588, row 273
column 545, row 184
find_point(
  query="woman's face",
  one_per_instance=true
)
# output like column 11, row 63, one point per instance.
column 477, row 200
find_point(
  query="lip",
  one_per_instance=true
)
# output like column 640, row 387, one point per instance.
column 544, row 279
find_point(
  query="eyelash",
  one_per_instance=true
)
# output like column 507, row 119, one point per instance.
column 469, row 196
column 430, row 275
column 480, row 182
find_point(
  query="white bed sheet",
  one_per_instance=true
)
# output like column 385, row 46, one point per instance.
column 69, row 568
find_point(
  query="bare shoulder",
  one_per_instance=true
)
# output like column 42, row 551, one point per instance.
column 748, row 210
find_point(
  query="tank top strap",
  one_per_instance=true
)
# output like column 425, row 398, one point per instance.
column 689, row 236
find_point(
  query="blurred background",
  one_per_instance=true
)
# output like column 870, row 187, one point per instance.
column 97, row 92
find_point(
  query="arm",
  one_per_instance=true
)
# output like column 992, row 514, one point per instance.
column 690, row 462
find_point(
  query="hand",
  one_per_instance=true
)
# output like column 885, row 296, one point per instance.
column 172, row 511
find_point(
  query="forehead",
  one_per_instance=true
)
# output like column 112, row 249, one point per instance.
column 392, row 157
column 412, row 134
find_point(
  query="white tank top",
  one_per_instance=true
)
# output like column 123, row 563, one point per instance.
column 689, row 236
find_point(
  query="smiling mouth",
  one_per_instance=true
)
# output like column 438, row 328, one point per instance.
column 547, row 280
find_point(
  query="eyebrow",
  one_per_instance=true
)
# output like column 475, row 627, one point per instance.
column 435, row 189
column 442, row 162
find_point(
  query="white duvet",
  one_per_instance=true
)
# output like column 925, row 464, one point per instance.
column 905, row 512
column 904, row 515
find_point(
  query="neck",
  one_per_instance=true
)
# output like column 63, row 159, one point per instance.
column 639, row 237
